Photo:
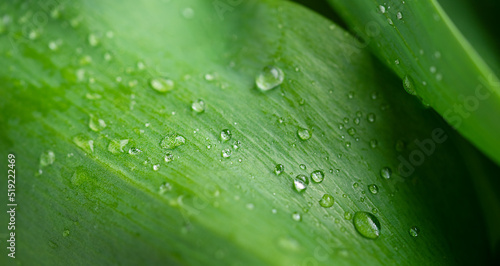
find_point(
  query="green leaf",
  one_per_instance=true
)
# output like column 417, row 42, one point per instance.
column 418, row 39
column 110, row 170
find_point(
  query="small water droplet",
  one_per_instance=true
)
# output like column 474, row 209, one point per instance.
column 250, row 206
column 188, row 13
column 96, row 124
column 373, row 188
column 279, row 169
column 168, row 157
column 386, row 173
column 65, row 233
column 134, row 151
column 399, row 15
column 300, row 183
column 326, row 201
column 47, row 158
column 367, row 224
column 226, row 153
column 161, row 84
column 414, row 231
column 198, row 106
column 357, row 120
column 400, row 145
column 351, row 131
column 93, row 40
column 303, row 166
column 116, row 146
column 269, row 78
column 236, row 145
column 156, row 167
column 373, row 143
column 165, row 187
column 317, row 176
column 225, row 135
column 381, row 8
column 371, row 117
column 408, row 85
column 347, row 215
column 355, row 185
column 172, row 141
column 304, row 134
column 296, row 216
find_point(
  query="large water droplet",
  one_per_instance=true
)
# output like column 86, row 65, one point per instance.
column 162, row 84
column 414, row 231
column 386, row 172
column 326, row 201
column 116, row 146
column 47, row 158
column 317, row 176
column 226, row 153
column 172, row 141
column 373, row 188
column 300, row 183
column 84, row 143
column 296, row 216
column 198, row 106
column 408, row 85
column 279, row 169
column 269, row 78
column 225, row 135
column 367, row 224
column 96, row 124
column 304, row 134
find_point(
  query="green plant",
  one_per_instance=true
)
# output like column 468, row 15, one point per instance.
column 142, row 137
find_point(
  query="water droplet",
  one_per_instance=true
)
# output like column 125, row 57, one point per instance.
column 116, row 146
column 381, row 8
column 355, row 185
column 396, row 61
column 373, row 143
column 93, row 40
column 326, row 201
column 188, row 13
column 373, row 188
column 198, row 106
column 414, row 231
column 53, row 45
column 161, row 84
column 168, row 157
column 300, row 183
column 351, row 131
column 347, row 215
column 303, row 166
column 357, row 120
column 236, row 145
column 386, row 172
column 172, row 141
column 367, row 225
column 269, row 78
column 371, row 117
column 296, row 216
column 304, row 134
column 399, row 15
column 250, row 206
column 225, row 135
column 96, row 124
column 134, row 151
column 279, row 169
column 65, row 233
column 226, row 153
column 165, row 187
column 47, row 158
column 390, row 21
column 318, row 176
column 432, row 69
column 156, row 167
column 408, row 85
column 84, row 143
